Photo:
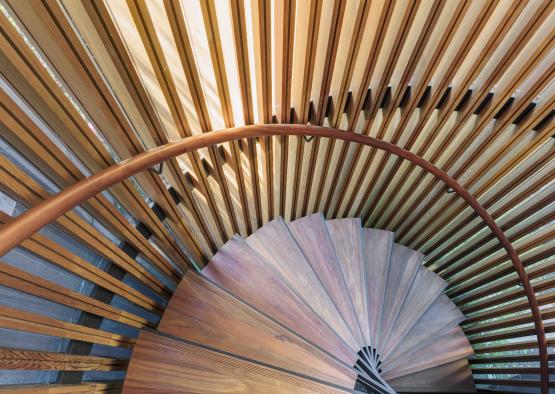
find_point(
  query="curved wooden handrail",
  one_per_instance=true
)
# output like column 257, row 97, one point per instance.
column 13, row 233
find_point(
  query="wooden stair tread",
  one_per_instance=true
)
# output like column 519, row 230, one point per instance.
column 440, row 316
column 309, row 306
column 346, row 235
column 276, row 247
column 451, row 346
column 377, row 246
column 426, row 287
column 403, row 267
column 201, row 312
column 264, row 290
column 454, row 377
column 165, row 365
column 314, row 240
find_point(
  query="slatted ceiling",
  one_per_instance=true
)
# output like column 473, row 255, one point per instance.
column 540, row 218
column 531, row 186
column 24, row 188
column 225, row 76
column 506, row 178
column 180, row 126
column 515, row 294
column 513, row 307
column 31, row 322
column 199, row 38
column 304, row 52
column 165, row 69
column 354, row 22
column 59, row 57
column 407, row 64
column 520, row 171
column 513, row 164
column 55, row 122
column 509, row 282
column 505, row 322
column 398, row 41
column 57, row 255
column 421, row 123
column 540, row 179
column 527, row 244
column 20, row 280
column 520, row 332
column 143, row 113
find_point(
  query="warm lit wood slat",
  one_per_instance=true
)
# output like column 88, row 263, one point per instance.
column 534, row 59
column 529, row 244
column 469, row 294
column 20, row 280
column 399, row 90
column 79, row 72
column 145, row 25
column 323, row 90
column 30, row 141
column 541, row 285
column 90, row 387
column 30, row 78
column 420, row 90
column 32, row 360
column 510, row 321
column 209, row 14
column 21, row 187
column 31, row 322
column 455, row 95
column 57, row 255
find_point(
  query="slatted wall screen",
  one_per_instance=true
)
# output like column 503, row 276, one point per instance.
column 84, row 84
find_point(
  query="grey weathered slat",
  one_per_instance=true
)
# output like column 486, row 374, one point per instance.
column 454, row 377
column 427, row 286
column 403, row 266
column 377, row 246
column 263, row 289
column 313, row 237
column 442, row 315
column 451, row 346
column 346, row 235
column 202, row 312
column 276, row 247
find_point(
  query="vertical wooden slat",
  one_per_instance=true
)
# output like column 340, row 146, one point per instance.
column 33, row 82
column 216, row 55
column 239, row 21
column 324, row 85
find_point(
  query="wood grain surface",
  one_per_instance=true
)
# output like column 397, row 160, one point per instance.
column 202, row 312
column 442, row 315
column 403, row 266
column 163, row 365
column 276, row 246
column 377, row 246
column 451, row 346
column 264, row 289
column 314, row 240
column 425, row 288
column 454, row 377
column 346, row 236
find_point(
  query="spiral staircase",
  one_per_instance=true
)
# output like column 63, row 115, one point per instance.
column 307, row 306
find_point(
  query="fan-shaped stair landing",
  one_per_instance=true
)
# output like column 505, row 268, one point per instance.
column 311, row 306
